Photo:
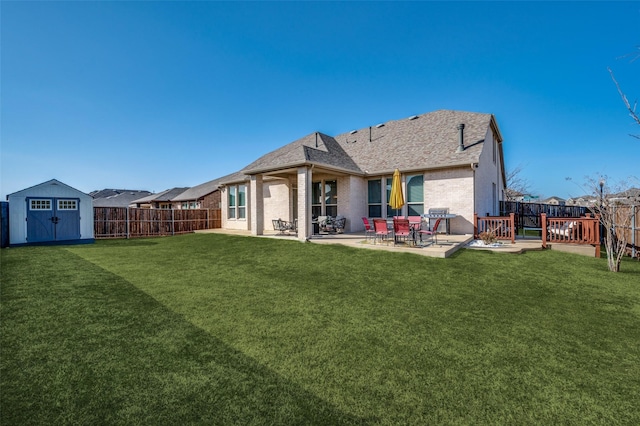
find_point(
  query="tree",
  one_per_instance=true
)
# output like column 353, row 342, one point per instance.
column 616, row 214
column 627, row 104
column 516, row 184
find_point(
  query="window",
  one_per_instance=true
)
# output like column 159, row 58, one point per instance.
column 165, row 206
column 237, row 202
column 67, row 204
column 415, row 195
column 324, row 197
column 316, row 199
column 494, row 197
column 40, row 205
column 374, row 197
column 189, row 205
column 390, row 212
column 495, row 150
column 331, row 197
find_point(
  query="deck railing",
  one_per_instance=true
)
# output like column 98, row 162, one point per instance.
column 571, row 230
column 503, row 227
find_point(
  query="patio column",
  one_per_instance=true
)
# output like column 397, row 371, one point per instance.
column 305, row 229
column 257, row 205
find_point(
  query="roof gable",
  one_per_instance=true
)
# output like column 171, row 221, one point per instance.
column 60, row 188
column 315, row 148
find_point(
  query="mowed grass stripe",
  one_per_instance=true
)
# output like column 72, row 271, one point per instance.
column 81, row 345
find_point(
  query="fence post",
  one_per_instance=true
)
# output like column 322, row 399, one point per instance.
column 475, row 225
column 127, row 224
column 598, row 242
column 634, row 252
column 512, row 216
column 543, row 217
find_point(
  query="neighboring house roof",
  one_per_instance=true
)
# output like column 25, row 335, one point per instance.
column 554, row 198
column 116, row 197
column 199, row 191
column 164, row 196
column 422, row 142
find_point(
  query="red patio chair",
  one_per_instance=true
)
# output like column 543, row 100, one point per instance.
column 368, row 229
column 432, row 233
column 415, row 222
column 380, row 227
column 401, row 230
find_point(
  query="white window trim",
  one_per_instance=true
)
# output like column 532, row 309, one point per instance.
column 61, row 204
column 236, row 190
column 33, row 207
column 414, row 203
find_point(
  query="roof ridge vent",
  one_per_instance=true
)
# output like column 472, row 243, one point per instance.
column 379, row 125
column 413, row 117
column 353, row 132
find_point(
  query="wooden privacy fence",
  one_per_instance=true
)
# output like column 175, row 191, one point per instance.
column 125, row 222
column 503, row 227
column 627, row 221
column 572, row 230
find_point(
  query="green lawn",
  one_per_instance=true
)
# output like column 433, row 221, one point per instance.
column 215, row 329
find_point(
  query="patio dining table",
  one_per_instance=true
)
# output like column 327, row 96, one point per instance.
column 414, row 226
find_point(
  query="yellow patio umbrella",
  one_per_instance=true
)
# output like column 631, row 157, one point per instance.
column 396, row 200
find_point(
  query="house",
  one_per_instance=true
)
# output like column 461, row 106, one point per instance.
column 448, row 159
column 554, row 201
column 116, row 197
column 161, row 200
column 203, row 196
column 50, row 213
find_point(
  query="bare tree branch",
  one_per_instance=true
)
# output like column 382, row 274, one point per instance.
column 516, row 184
column 632, row 110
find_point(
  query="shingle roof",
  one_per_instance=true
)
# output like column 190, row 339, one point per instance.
column 166, row 195
column 419, row 142
column 316, row 148
column 116, row 197
column 206, row 188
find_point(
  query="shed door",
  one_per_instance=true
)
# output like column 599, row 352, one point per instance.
column 68, row 219
column 53, row 219
column 40, row 227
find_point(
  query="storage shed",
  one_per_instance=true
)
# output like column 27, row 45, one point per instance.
column 50, row 213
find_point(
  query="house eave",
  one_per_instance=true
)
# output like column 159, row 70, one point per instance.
column 424, row 168
column 284, row 167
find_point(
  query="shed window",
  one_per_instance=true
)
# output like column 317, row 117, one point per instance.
column 40, row 205
column 67, row 204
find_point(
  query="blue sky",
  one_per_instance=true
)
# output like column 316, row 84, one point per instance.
column 154, row 95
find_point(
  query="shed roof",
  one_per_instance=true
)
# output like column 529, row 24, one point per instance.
column 49, row 183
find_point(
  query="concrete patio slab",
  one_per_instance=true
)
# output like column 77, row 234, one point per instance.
column 446, row 246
